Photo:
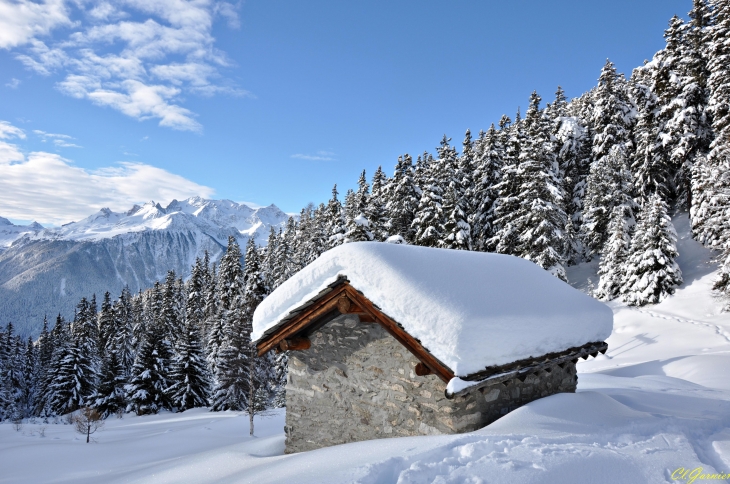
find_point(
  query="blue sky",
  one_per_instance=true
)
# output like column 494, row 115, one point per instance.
column 272, row 101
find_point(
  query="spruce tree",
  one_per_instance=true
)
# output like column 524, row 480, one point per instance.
column 615, row 252
column 376, row 212
column 189, row 372
column 487, row 174
column 608, row 186
column 230, row 367
column 709, row 221
column 650, row 165
column 651, row 273
column 540, row 218
column 146, row 392
column 429, row 218
column 110, row 398
column 612, row 118
column 507, row 201
column 335, row 220
column 456, row 231
column 403, row 197
column 75, row 377
column 122, row 342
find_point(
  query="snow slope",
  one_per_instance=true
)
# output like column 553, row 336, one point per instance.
column 9, row 232
column 469, row 309
column 657, row 402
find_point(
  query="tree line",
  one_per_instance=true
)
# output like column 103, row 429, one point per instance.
column 595, row 176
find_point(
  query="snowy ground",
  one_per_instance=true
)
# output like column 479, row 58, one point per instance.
column 658, row 401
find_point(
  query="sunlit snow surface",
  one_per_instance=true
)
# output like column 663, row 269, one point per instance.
column 658, row 401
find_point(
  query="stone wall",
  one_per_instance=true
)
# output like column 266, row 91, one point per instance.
column 356, row 382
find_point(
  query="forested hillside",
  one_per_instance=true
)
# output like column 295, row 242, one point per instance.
column 592, row 177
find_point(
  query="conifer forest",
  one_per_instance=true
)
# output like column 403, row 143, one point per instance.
column 596, row 177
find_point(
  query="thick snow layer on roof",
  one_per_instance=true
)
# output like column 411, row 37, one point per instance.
column 470, row 310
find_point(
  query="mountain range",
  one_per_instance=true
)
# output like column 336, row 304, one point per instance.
column 46, row 271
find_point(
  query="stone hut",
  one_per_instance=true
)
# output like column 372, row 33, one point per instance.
column 390, row 340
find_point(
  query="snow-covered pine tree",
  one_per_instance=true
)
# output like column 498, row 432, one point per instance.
column 30, row 362
column 572, row 148
column 44, row 352
column 681, row 85
column 487, row 174
column 506, row 203
column 429, row 219
column 710, row 223
column 106, row 324
column 651, row 273
column 195, row 304
column 11, row 375
column 455, row 229
column 146, row 392
column 335, row 220
column 608, row 186
column 110, row 398
column 465, row 188
column 189, row 372
column 230, row 390
column 613, row 115
column 402, row 202
column 320, row 238
column 376, row 212
column 268, row 260
column 57, row 342
column 650, row 163
column 260, row 369
column 572, row 248
column 690, row 127
column 172, row 323
column 540, row 218
column 81, row 366
column 358, row 230
column 284, row 266
column 615, row 252
column 357, row 226
column 62, row 396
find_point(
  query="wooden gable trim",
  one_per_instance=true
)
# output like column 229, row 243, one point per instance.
column 325, row 304
column 353, row 302
column 395, row 330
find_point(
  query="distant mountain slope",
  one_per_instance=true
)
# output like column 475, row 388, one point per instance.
column 47, row 271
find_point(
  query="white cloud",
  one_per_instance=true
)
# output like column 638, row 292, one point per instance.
column 8, row 131
column 13, row 84
column 320, row 156
column 23, row 20
column 136, row 56
column 50, row 189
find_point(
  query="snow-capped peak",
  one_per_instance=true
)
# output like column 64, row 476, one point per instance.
column 217, row 218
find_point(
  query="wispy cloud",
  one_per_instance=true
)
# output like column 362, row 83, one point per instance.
column 13, row 83
column 60, row 140
column 136, row 56
column 50, row 189
column 8, row 131
column 319, row 156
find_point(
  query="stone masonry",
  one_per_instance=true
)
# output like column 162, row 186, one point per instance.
column 357, row 382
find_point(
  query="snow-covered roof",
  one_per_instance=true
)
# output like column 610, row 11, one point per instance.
column 470, row 310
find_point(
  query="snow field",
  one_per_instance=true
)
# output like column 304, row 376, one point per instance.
column 659, row 400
